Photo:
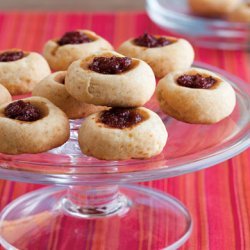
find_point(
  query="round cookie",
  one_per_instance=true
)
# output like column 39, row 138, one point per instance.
column 132, row 86
column 4, row 95
column 120, row 134
column 32, row 125
column 60, row 53
column 195, row 96
column 52, row 87
column 241, row 13
column 164, row 55
column 212, row 7
column 20, row 71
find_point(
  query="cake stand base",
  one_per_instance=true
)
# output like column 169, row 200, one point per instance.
column 143, row 219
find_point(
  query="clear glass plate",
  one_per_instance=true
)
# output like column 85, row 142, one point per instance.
column 189, row 148
column 208, row 32
column 91, row 196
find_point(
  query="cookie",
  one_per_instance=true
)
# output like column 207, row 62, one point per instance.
column 196, row 96
column 212, row 7
column 4, row 95
column 32, row 125
column 163, row 53
column 73, row 45
column 122, row 133
column 110, row 79
column 21, row 71
column 241, row 13
column 52, row 87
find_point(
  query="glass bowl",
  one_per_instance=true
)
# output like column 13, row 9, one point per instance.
column 189, row 148
column 206, row 32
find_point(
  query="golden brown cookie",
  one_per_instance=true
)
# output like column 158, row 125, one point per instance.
column 212, row 7
column 241, row 13
column 32, row 125
column 73, row 45
column 120, row 134
column 4, row 95
column 52, row 87
column 164, row 54
column 20, row 71
column 196, row 96
column 131, row 86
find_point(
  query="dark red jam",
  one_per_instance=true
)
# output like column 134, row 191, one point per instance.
column 74, row 37
column 10, row 56
column 196, row 81
column 110, row 65
column 149, row 41
column 22, row 111
column 120, row 117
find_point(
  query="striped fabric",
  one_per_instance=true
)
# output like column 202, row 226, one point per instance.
column 218, row 198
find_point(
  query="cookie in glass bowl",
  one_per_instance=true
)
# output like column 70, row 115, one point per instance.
column 212, row 8
column 73, row 45
column 241, row 13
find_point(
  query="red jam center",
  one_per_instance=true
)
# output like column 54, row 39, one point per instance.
column 22, row 111
column 10, row 56
column 110, row 65
column 196, row 81
column 74, row 37
column 149, row 41
column 120, row 117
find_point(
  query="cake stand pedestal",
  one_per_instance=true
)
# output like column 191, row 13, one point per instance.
column 132, row 217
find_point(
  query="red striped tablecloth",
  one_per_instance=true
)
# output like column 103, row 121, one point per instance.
column 218, row 198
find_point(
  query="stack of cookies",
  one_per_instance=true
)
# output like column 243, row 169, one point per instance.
column 126, row 130
column 108, row 89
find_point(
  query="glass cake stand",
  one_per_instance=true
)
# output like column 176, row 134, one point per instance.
column 91, row 204
column 207, row 32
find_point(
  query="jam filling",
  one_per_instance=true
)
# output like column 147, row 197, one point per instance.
column 149, row 41
column 110, row 65
column 74, row 37
column 120, row 117
column 196, row 81
column 22, row 111
column 10, row 56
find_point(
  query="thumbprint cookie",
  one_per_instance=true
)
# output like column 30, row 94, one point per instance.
column 110, row 79
column 196, row 96
column 32, row 125
column 73, row 45
column 163, row 53
column 20, row 71
column 52, row 87
column 122, row 133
